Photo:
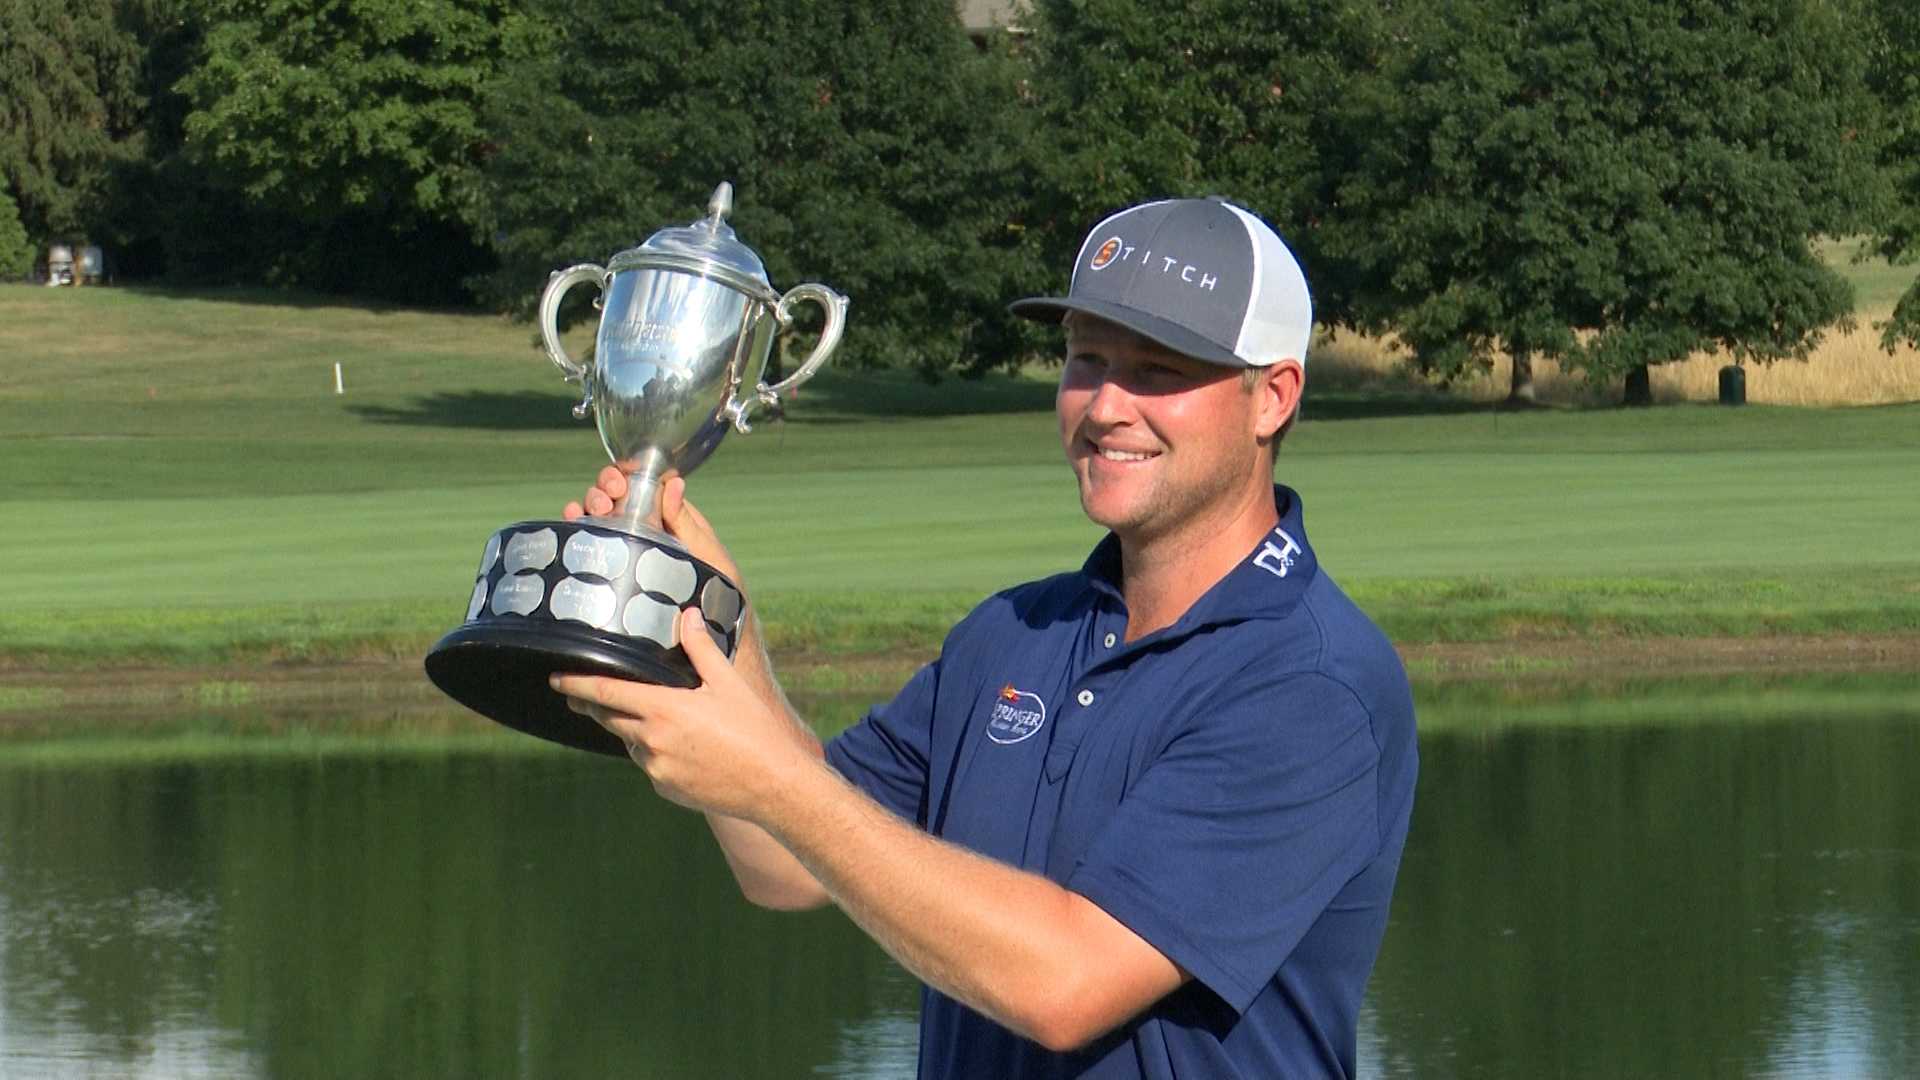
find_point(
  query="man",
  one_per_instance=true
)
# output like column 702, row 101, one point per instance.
column 1138, row 820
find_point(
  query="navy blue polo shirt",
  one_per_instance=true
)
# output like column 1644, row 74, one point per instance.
column 1234, row 788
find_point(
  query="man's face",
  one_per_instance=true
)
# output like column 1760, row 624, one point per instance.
column 1157, row 440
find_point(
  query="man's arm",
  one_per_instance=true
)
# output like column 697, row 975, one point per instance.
column 1037, row 958
column 767, row 873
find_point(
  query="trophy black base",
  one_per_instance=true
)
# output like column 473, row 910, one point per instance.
column 583, row 597
column 500, row 671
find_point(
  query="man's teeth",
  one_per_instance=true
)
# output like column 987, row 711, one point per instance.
column 1123, row 455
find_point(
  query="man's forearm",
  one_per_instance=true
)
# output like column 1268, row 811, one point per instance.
column 1015, row 946
column 1010, row 944
column 767, row 873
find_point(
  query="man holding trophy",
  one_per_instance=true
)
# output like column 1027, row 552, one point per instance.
column 1141, row 819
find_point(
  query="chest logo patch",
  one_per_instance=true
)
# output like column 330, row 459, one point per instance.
column 1016, row 716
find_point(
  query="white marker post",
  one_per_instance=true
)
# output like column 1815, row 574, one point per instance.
column 338, row 386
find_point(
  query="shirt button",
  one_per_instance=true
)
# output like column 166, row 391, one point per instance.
column 1110, row 640
column 1085, row 698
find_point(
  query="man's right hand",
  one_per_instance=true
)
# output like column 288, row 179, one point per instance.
column 681, row 518
column 687, row 524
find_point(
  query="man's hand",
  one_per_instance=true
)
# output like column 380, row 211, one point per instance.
column 680, row 517
column 687, row 524
column 719, row 748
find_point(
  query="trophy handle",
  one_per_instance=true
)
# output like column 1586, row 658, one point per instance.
column 557, row 286
column 835, row 306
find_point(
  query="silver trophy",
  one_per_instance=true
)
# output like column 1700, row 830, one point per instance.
column 687, row 322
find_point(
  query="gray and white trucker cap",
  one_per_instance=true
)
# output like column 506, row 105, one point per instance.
column 1201, row 276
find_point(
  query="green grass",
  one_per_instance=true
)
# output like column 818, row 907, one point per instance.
column 180, row 484
column 1488, row 707
column 146, row 748
column 1877, row 284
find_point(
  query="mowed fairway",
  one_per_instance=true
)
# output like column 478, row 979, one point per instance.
column 169, row 461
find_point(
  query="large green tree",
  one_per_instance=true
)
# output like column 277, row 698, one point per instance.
column 1894, row 74
column 68, row 106
column 1609, row 183
column 871, row 147
column 1143, row 99
column 346, row 134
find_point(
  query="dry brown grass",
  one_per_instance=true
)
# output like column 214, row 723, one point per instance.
column 1847, row 369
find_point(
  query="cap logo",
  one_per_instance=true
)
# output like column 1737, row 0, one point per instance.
column 1113, row 250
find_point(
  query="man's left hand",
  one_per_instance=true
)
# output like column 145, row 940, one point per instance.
column 717, row 747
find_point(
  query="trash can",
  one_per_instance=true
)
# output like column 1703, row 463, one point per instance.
column 1733, row 385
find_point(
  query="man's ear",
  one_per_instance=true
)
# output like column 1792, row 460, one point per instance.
column 1278, row 393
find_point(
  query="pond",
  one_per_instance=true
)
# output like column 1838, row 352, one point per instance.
column 1627, row 888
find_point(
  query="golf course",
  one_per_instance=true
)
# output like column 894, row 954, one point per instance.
column 1664, row 663
column 197, row 513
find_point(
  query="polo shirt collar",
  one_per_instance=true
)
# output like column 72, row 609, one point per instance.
column 1266, row 584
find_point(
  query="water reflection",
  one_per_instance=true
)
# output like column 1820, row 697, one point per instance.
column 1662, row 900
column 1598, row 898
column 493, row 915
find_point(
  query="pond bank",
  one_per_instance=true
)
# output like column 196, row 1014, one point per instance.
column 377, row 696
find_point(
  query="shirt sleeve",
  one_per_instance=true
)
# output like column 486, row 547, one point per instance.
column 1233, row 842
column 886, row 754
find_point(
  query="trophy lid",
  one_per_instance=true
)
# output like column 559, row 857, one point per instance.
column 706, row 247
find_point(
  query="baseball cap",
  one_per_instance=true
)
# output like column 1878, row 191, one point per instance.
column 1202, row 277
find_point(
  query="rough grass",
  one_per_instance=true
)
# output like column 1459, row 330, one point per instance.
column 1849, row 367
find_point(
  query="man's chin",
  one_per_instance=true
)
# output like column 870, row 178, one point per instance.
column 1116, row 515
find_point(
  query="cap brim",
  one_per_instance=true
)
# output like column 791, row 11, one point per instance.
column 1152, row 327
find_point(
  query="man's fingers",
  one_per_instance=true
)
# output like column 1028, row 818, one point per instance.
column 685, row 521
column 681, row 517
column 673, row 495
column 571, row 511
column 702, row 649
column 589, row 690
column 623, row 727
column 612, row 481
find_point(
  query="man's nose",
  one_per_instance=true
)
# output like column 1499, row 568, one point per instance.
column 1112, row 404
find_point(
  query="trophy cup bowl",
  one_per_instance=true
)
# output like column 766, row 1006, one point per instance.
column 687, row 322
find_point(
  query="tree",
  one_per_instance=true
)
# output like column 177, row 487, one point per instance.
column 68, row 95
column 1609, row 183
column 871, row 147
column 1142, row 99
column 16, row 250
column 348, row 134
column 1894, row 74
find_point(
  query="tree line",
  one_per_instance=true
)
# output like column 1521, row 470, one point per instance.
column 1609, row 184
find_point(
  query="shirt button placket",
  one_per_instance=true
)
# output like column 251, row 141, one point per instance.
column 1085, row 698
column 1110, row 640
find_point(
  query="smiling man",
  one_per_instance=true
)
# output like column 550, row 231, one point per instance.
column 1138, row 820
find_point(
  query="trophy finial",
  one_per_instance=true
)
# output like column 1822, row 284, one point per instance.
column 721, row 204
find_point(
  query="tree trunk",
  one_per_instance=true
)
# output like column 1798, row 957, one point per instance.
column 1639, row 387
column 1521, row 395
